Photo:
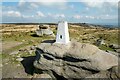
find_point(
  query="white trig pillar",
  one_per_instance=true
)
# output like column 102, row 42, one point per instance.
column 62, row 33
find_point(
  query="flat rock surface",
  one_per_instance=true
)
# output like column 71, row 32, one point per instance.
column 73, row 60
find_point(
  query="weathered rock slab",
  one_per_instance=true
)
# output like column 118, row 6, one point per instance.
column 73, row 60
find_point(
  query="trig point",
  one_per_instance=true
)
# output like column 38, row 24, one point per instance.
column 62, row 33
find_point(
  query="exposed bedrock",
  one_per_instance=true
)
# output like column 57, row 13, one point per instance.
column 75, row 60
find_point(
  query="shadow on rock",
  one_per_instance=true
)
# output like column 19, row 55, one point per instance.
column 48, row 41
column 28, row 64
column 34, row 35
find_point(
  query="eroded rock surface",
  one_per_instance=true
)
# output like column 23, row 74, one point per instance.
column 74, row 60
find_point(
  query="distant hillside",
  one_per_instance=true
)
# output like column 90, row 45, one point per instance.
column 79, row 24
column 30, row 23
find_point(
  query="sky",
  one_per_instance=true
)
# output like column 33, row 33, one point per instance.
column 52, row 11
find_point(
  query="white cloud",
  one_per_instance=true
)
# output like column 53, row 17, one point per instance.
column 102, row 17
column 13, row 13
column 77, row 16
column 59, row 16
column 87, row 17
column 100, row 3
column 94, row 4
column 26, row 16
column 45, row 2
column 34, row 5
column 50, row 1
column 55, row 16
column 61, row 4
column 107, row 16
column 99, row 0
column 21, row 2
column 40, row 14
column 49, row 14
column 90, row 17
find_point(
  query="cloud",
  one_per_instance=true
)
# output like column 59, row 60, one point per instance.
column 26, row 16
column 77, row 16
column 56, row 16
column 90, row 17
column 100, row 3
column 49, row 1
column 84, row 17
column 59, row 16
column 30, row 4
column 40, row 14
column 16, row 14
column 107, row 16
column 13, row 14
column 21, row 2
column 100, row 17
column 99, row 0
column 44, row 2
column 33, row 5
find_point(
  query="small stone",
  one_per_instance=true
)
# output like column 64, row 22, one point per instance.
column 42, row 76
column 23, row 40
column 32, row 48
column 18, row 64
column 117, row 50
column 114, row 53
column 15, row 52
column 19, row 59
column 1, row 65
column 114, row 46
column 18, row 56
column 30, row 51
column 6, row 63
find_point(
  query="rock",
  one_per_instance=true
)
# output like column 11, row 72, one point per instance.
column 30, row 51
column 44, row 30
column 19, row 59
column 6, row 63
column 114, row 46
column 41, row 76
column 32, row 48
column 1, row 65
column 18, row 56
column 114, row 53
column 100, row 42
column 15, row 52
column 23, row 40
column 18, row 65
column 73, row 60
column 117, row 50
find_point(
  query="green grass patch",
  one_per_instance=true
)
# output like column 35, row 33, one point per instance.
column 14, row 48
column 25, row 37
column 3, row 55
column 0, row 56
column 103, row 47
column 109, row 37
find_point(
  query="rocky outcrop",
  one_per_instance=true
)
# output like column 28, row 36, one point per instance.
column 44, row 30
column 116, row 47
column 74, row 60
